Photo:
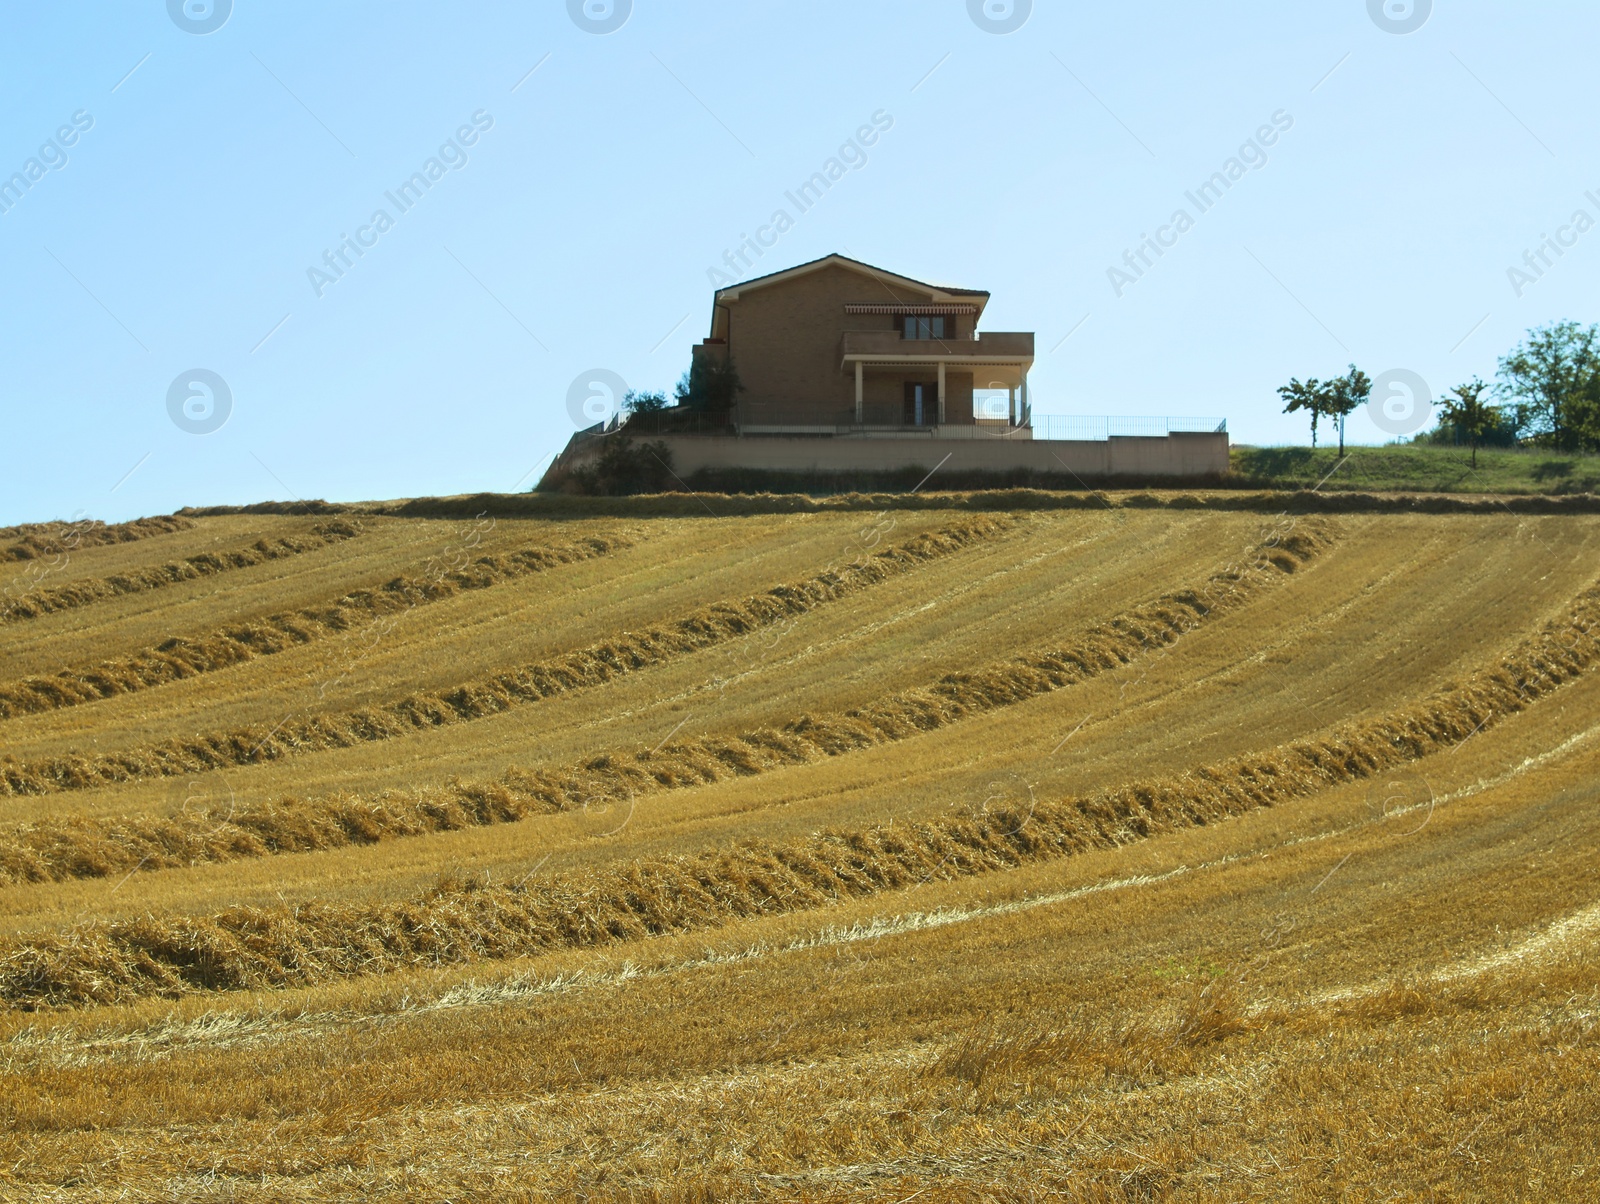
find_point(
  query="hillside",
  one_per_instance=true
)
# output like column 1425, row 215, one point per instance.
column 1416, row 467
column 1141, row 849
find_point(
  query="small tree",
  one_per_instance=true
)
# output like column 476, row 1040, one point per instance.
column 1344, row 395
column 710, row 387
column 1470, row 414
column 1307, row 396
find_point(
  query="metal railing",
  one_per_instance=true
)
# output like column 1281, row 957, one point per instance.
column 1006, row 344
column 1072, row 427
column 896, row 431
column 650, row 424
column 1100, row 428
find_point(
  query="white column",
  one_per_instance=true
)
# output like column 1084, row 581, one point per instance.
column 1026, row 417
column 859, row 392
column 941, row 392
column 1011, row 405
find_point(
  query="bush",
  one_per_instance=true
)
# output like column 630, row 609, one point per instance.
column 1449, row 435
column 644, row 403
column 619, row 470
column 709, row 387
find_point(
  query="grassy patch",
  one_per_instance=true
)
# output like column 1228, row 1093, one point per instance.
column 1419, row 468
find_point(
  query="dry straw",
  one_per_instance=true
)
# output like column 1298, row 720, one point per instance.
column 95, row 847
column 590, row 666
column 207, row 564
column 31, row 541
column 463, row 921
column 1009, row 500
column 179, row 658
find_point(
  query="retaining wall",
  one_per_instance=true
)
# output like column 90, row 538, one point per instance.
column 1175, row 455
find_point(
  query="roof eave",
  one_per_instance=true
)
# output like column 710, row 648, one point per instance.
column 732, row 292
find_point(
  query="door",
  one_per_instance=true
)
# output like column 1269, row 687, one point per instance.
column 922, row 403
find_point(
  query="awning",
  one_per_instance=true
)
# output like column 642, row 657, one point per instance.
column 917, row 310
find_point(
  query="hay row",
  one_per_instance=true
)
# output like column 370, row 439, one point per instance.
column 264, row 948
column 31, row 541
column 179, row 658
column 33, row 603
column 595, row 665
column 1106, row 496
column 82, row 847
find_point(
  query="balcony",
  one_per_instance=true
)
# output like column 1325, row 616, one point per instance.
column 886, row 347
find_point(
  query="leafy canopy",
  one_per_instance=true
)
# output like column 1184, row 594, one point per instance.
column 1552, row 382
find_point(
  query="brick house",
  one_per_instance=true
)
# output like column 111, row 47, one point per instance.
column 850, row 369
column 836, row 344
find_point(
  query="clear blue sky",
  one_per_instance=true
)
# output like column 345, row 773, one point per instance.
column 578, row 233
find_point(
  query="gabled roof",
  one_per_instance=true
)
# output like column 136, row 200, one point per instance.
column 731, row 293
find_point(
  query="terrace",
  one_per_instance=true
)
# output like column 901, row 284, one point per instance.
column 1001, row 357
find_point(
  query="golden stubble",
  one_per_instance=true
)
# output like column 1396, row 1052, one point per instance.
column 1374, row 979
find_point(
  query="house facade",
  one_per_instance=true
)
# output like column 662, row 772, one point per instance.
column 848, row 368
column 836, row 345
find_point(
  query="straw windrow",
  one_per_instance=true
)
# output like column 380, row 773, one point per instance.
column 183, row 657
column 42, row 601
column 464, row 921
column 499, row 692
column 94, row 847
column 31, row 541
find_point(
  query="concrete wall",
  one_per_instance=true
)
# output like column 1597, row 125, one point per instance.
column 1178, row 455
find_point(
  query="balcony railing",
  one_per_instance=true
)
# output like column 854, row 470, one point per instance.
column 839, row 423
column 1100, row 428
column 652, row 423
column 887, row 344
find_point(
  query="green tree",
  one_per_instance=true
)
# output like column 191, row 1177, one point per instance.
column 1470, row 414
column 1307, row 397
column 710, row 387
column 1586, row 415
column 644, row 403
column 1343, row 395
column 1548, row 380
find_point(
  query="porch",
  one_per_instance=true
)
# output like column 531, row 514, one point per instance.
column 912, row 384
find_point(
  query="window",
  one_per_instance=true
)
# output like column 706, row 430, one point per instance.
column 915, row 326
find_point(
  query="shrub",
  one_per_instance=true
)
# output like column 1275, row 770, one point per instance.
column 644, row 403
column 619, row 470
column 709, row 387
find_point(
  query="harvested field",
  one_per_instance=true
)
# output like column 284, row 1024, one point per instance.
column 42, row 601
column 31, row 541
column 182, row 657
column 1131, row 851
column 473, row 700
